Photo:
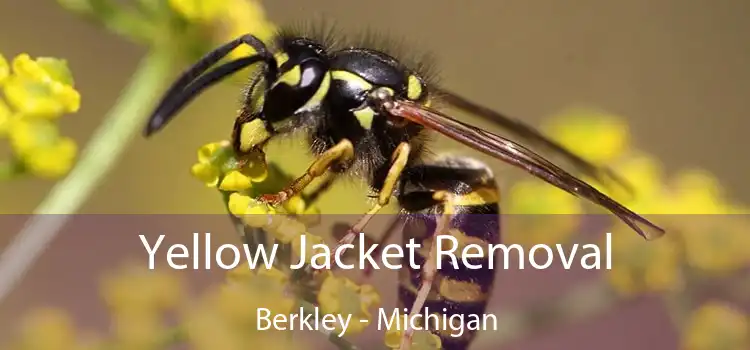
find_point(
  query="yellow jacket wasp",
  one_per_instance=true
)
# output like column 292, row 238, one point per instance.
column 366, row 113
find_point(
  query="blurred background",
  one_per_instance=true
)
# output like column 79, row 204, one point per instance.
column 675, row 71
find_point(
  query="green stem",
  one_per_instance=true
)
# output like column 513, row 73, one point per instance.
column 122, row 123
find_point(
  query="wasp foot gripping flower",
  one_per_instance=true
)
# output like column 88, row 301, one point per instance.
column 217, row 167
column 37, row 92
column 716, row 326
column 339, row 295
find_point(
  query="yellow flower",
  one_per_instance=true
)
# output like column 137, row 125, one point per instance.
column 206, row 173
column 54, row 161
column 4, row 69
column 339, row 295
column 645, row 175
column 244, row 17
column 698, row 192
column 41, row 148
column 41, row 88
column 216, row 161
column 310, row 241
column 716, row 243
column 640, row 266
column 253, row 213
column 6, row 117
column 136, row 329
column 287, row 229
column 295, row 205
column 537, row 197
column 199, row 10
column 210, row 158
column 541, row 213
column 48, row 329
column 133, row 288
column 209, row 151
column 716, row 326
column 235, row 181
column 597, row 136
column 226, row 318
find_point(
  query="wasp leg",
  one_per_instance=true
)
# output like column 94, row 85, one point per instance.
column 429, row 269
column 325, row 185
column 376, row 254
column 340, row 153
column 398, row 164
column 342, row 229
column 458, row 195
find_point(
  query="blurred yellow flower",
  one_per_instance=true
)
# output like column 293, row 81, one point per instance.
column 717, row 326
column 134, row 288
column 716, row 243
column 48, row 329
column 242, row 17
column 339, row 295
column 537, row 197
column 226, row 318
column 199, row 10
column 4, row 69
column 597, row 136
column 51, row 329
column 540, row 214
column 640, row 266
column 645, row 174
column 293, row 231
column 6, row 116
column 698, row 192
column 137, row 329
column 287, row 229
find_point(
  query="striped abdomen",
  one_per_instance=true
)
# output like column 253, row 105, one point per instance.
column 458, row 291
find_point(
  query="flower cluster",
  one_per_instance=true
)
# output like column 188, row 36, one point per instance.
column 241, row 182
column 37, row 92
column 681, row 204
column 717, row 325
column 143, row 304
column 705, row 234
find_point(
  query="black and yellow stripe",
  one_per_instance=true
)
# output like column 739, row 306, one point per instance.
column 474, row 201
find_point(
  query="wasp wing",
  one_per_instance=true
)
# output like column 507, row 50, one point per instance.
column 533, row 136
column 519, row 156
